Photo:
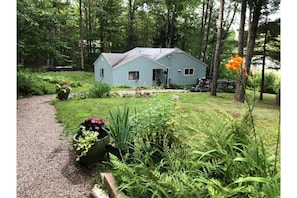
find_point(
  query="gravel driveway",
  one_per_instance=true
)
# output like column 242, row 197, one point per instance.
column 46, row 166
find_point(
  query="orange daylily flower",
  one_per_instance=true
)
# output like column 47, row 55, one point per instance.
column 235, row 63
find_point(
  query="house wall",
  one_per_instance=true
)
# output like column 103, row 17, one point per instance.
column 101, row 63
column 143, row 65
column 177, row 62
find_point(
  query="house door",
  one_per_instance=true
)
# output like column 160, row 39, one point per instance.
column 157, row 77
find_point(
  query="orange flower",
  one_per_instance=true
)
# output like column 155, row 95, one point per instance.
column 235, row 63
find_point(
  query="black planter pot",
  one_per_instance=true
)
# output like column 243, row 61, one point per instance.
column 63, row 95
column 95, row 154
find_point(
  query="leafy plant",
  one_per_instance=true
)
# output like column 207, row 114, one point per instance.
column 155, row 128
column 85, row 142
column 223, row 156
column 63, row 89
column 28, row 83
column 121, row 130
column 99, row 90
column 90, row 131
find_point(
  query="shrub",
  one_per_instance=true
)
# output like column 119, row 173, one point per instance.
column 271, row 83
column 224, row 158
column 155, row 128
column 99, row 90
column 28, row 83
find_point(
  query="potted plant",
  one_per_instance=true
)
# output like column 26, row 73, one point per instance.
column 90, row 141
column 63, row 90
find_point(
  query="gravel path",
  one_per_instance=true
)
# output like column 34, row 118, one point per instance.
column 46, row 166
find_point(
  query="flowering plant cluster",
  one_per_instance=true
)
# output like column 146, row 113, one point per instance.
column 63, row 86
column 235, row 63
column 94, row 125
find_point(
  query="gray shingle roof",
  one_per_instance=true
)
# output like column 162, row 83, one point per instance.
column 116, row 59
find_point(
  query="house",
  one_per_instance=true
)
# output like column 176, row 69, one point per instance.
column 149, row 67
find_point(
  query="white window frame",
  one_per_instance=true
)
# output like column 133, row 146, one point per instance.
column 189, row 73
column 133, row 75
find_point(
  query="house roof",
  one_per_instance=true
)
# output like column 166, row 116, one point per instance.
column 154, row 54
column 115, row 59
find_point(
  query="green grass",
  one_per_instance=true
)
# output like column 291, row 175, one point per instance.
column 196, row 109
column 72, row 112
column 86, row 79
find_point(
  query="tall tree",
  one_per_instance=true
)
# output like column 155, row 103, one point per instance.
column 240, row 47
column 267, row 45
column 206, row 19
column 44, row 29
column 255, row 13
column 111, row 25
column 133, row 5
column 81, row 36
column 214, row 85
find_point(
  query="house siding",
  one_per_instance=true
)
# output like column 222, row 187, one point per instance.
column 101, row 63
column 141, row 64
column 177, row 62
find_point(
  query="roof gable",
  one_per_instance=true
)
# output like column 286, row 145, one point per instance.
column 154, row 54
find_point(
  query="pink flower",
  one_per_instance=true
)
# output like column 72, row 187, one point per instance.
column 93, row 121
column 175, row 97
column 100, row 122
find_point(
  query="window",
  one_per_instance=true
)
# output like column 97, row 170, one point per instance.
column 101, row 72
column 133, row 75
column 188, row 71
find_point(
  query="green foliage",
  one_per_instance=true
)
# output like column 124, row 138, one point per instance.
column 155, row 128
column 99, row 90
column 223, row 157
column 85, row 142
column 46, row 31
column 28, row 83
column 121, row 129
column 271, row 82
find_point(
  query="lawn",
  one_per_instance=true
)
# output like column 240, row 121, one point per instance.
column 226, row 168
column 192, row 104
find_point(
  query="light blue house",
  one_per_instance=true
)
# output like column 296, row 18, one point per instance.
column 148, row 67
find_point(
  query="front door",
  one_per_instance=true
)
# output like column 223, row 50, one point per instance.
column 157, row 77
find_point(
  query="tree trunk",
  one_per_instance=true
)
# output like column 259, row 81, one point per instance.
column 207, row 31
column 218, row 50
column 263, row 63
column 202, row 30
column 255, row 8
column 81, row 37
column 130, row 30
column 238, row 94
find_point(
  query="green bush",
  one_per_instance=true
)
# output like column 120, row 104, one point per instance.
column 224, row 158
column 99, row 90
column 271, row 82
column 155, row 128
column 28, row 84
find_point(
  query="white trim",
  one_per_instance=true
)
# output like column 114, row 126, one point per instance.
column 187, row 68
